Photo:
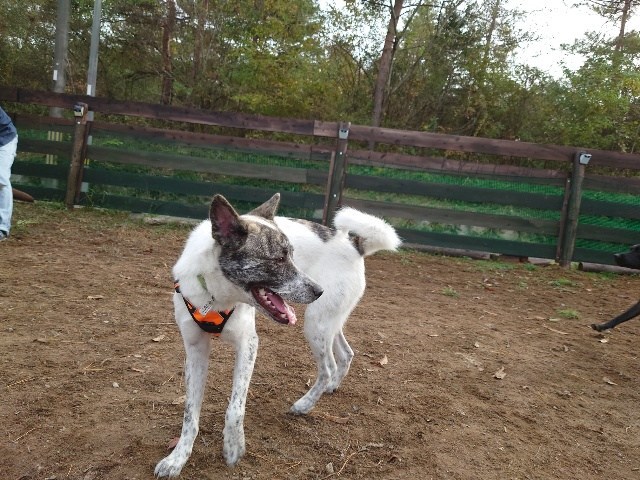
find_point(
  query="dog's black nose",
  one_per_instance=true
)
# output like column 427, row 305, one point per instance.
column 317, row 291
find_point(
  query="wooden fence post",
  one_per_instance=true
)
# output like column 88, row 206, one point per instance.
column 78, row 153
column 571, row 210
column 337, row 175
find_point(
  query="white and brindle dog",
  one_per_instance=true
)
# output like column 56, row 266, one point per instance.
column 234, row 264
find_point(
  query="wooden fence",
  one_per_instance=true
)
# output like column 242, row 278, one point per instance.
column 447, row 191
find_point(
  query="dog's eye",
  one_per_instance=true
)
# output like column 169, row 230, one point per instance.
column 284, row 255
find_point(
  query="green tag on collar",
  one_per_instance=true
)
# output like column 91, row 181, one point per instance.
column 203, row 282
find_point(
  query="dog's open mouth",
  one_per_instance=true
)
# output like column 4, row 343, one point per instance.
column 274, row 305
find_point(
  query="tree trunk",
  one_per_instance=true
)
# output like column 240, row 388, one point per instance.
column 384, row 67
column 198, row 38
column 619, row 47
column 168, row 28
column 481, row 115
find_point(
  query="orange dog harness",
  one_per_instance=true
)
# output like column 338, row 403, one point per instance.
column 208, row 320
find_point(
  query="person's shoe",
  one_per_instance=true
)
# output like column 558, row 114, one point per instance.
column 3, row 236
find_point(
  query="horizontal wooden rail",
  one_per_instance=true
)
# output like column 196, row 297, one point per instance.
column 151, row 183
column 206, row 165
column 168, row 113
column 455, row 192
column 447, row 165
column 462, row 144
column 291, row 149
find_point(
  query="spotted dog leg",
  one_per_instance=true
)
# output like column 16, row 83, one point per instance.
column 197, row 348
column 242, row 335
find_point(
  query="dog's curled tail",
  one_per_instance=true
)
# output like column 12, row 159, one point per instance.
column 375, row 234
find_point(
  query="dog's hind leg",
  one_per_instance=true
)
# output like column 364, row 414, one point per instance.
column 343, row 355
column 242, row 335
column 321, row 348
column 323, row 323
column 322, row 329
column 623, row 317
column 319, row 330
column 197, row 345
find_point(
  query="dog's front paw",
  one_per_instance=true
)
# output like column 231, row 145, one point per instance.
column 233, row 447
column 301, row 407
column 169, row 466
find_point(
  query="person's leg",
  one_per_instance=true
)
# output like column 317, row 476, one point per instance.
column 7, row 154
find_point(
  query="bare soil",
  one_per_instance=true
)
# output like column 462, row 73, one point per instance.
column 91, row 368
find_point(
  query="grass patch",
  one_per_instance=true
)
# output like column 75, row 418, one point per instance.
column 494, row 266
column 563, row 282
column 450, row 292
column 568, row 314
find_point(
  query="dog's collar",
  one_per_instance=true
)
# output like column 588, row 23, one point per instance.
column 208, row 320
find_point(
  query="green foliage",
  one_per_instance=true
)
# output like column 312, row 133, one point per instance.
column 568, row 314
column 450, row 292
column 493, row 266
column 453, row 68
column 599, row 102
column 563, row 282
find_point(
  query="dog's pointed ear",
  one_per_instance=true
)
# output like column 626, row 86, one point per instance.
column 226, row 226
column 268, row 209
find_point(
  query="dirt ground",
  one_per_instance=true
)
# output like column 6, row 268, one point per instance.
column 91, row 368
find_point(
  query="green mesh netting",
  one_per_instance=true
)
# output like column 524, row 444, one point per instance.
column 628, row 226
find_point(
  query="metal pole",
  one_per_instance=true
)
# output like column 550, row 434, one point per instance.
column 60, row 52
column 92, row 73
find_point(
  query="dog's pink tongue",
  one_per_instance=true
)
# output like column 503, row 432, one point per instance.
column 282, row 307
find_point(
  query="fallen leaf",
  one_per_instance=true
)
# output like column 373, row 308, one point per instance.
column 95, row 297
column 179, row 401
column 500, row 374
column 604, row 340
column 383, row 361
column 477, row 345
column 609, row 381
column 158, row 338
column 172, row 443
